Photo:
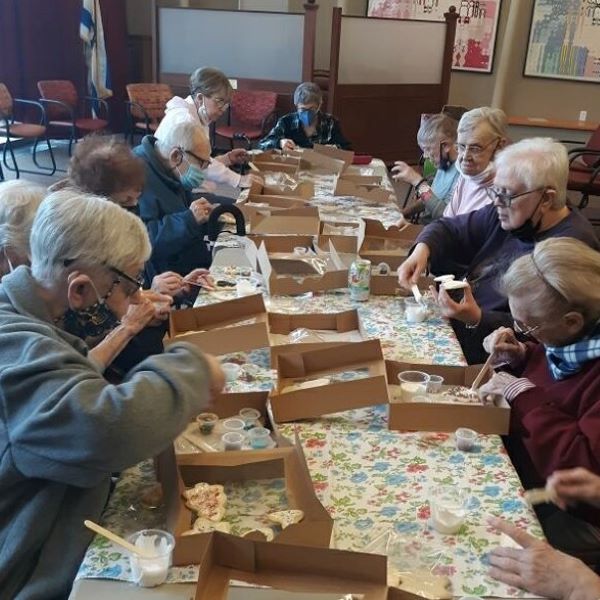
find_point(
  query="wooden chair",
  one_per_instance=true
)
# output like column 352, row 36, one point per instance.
column 146, row 107
column 12, row 129
column 65, row 112
column 584, row 169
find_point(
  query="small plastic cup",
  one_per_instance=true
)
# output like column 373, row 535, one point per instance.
column 250, row 416
column 383, row 268
column 412, row 383
column 448, row 505
column 455, row 289
column 206, row 422
column 232, row 440
column 245, row 288
column 465, row 439
column 259, row 437
column 414, row 312
column 150, row 572
column 300, row 250
column 234, row 425
column 435, row 383
column 232, row 371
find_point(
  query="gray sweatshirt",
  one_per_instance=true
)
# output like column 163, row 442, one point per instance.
column 64, row 429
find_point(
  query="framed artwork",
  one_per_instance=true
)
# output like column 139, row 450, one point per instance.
column 564, row 40
column 476, row 28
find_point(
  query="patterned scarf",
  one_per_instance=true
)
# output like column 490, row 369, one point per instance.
column 568, row 360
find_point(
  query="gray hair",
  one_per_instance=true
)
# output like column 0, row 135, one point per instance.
column 560, row 275
column 308, row 93
column 436, row 127
column 19, row 201
column 495, row 118
column 536, row 163
column 209, row 81
column 71, row 225
column 178, row 129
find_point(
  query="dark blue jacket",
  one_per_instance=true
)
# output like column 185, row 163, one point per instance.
column 177, row 240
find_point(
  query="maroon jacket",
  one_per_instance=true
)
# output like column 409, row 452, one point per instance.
column 555, row 425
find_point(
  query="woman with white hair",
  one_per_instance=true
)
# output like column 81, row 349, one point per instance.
column 553, row 382
column 65, row 429
column 19, row 200
column 481, row 134
column 307, row 126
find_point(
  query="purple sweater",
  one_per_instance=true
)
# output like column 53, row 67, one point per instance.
column 474, row 245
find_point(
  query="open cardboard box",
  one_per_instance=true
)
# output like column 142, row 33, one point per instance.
column 320, row 573
column 363, row 180
column 175, row 473
column 300, row 189
column 222, row 328
column 331, row 397
column 317, row 162
column 371, row 193
column 346, row 156
column 276, row 163
column 272, row 203
column 282, row 243
column 387, row 285
column 344, row 236
column 441, row 416
column 282, row 279
column 295, row 221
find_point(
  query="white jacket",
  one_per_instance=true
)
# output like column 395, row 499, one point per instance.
column 184, row 108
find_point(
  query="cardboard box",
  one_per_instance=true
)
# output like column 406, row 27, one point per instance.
column 282, row 243
column 317, row 162
column 223, row 327
column 272, row 202
column 387, row 285
column 335, row 275
column 368, row 180
column 270, row 162
column 374, row 228
column 344, row 236
column 175, row 473
column 334, row 396
column 439, row 416
column 371, row 193
column 302, row 189
column 295, row 221
column 289, row 571
column 346, row 156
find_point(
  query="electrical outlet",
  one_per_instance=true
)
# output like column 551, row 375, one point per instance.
column 583, row 115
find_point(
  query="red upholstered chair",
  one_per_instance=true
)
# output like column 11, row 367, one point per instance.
column 65, row 112
column 584, row 169
column 11, row 128
column 146, row 107
column 251, row 115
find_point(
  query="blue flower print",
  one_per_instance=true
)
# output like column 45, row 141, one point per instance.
column 491, row 460
column 359, row 477
column 364, row 523
column 381, row 466
column 388, row 511
column 456, row 459
column 492, row 490
column 406, row 527
column 395, row 479
column 512, row 505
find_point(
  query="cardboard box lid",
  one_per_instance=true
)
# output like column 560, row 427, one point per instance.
column 284, row 323
column 300, row 221
column 302, row 189
column 346, row 156
column 373, row 193
column 321, row 163
column 282, row 243
column 274, row 201
column 273, row 156
column 368, row 180
column 376, row 229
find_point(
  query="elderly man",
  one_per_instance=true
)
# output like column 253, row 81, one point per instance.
column 64, row 428
column 176, row 161
column 307, row 126
column 529, row 205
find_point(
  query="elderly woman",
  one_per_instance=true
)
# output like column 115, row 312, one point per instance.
column 529, row 205
column 307, row 126
column 65, row 429
column 553, row 385
column 481, row 133
column 19, row 200
column 210, row 95
column 437, row 139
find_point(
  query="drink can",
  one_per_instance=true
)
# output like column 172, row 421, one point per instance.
column 359, row 280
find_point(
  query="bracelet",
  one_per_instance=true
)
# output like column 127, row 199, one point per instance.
column 423, row 180
column 472, row 325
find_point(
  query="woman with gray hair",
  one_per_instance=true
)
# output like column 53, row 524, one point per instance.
column 19, row 201
column 307, row 126
column 65, row 429
column 553, row 381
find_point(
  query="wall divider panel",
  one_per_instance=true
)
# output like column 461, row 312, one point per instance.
column 384, row 73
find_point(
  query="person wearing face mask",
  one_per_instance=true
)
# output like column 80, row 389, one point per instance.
column 64, row 427
column 175, row 163
column 19, row 201
column 481, row 134
column 210, row 95
column 552, row 382
column 437, row 138
column 307, row 126
column 529, row 204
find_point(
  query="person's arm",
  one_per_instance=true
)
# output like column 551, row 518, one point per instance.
column 71, row 426
column 337, row 137
column 219, row 172
column 274, row 137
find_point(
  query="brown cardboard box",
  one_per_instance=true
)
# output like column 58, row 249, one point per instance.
column 374, row 228
column 295, row 221
column 269, row 162
column 437, row 416
column 371, row 193
column 301, row 281
column 272, row 203
column 330, row 397
column 347, row 156
column 368, row 180
column 317, row 162
column 222, row 328
column 175, row 473
column 282, row 243
column 387, row 285
column 327, row 574
column 303, row 189
column 344, row 236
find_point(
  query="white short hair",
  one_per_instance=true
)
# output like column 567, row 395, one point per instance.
column 537, row 162
column 76, row 227
column 178, row 129
column 19, row 201
column 495, row 118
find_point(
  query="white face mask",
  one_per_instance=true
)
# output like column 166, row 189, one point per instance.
column 202, row 113
column 482, row 177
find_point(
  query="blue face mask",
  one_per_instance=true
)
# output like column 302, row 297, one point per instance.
column 307, row 116
column 193, row 177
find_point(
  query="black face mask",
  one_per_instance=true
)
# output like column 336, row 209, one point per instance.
column 527, row 232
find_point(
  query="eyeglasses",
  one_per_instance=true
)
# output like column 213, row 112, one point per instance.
column 137, row 282
column 524, row 329
column 220, row 102
column 505, row 199
column 473, row 149
column 202, row 162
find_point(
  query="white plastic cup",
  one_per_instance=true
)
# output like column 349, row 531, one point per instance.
column 232, row 440
column 465, row 439
column 412, row 383
column 435, row 383
column 259, row 437
column 414, row 312
column 250, row 416
column 231, row 371
column 448, row 505
column 150, row 572
column 234, row 425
